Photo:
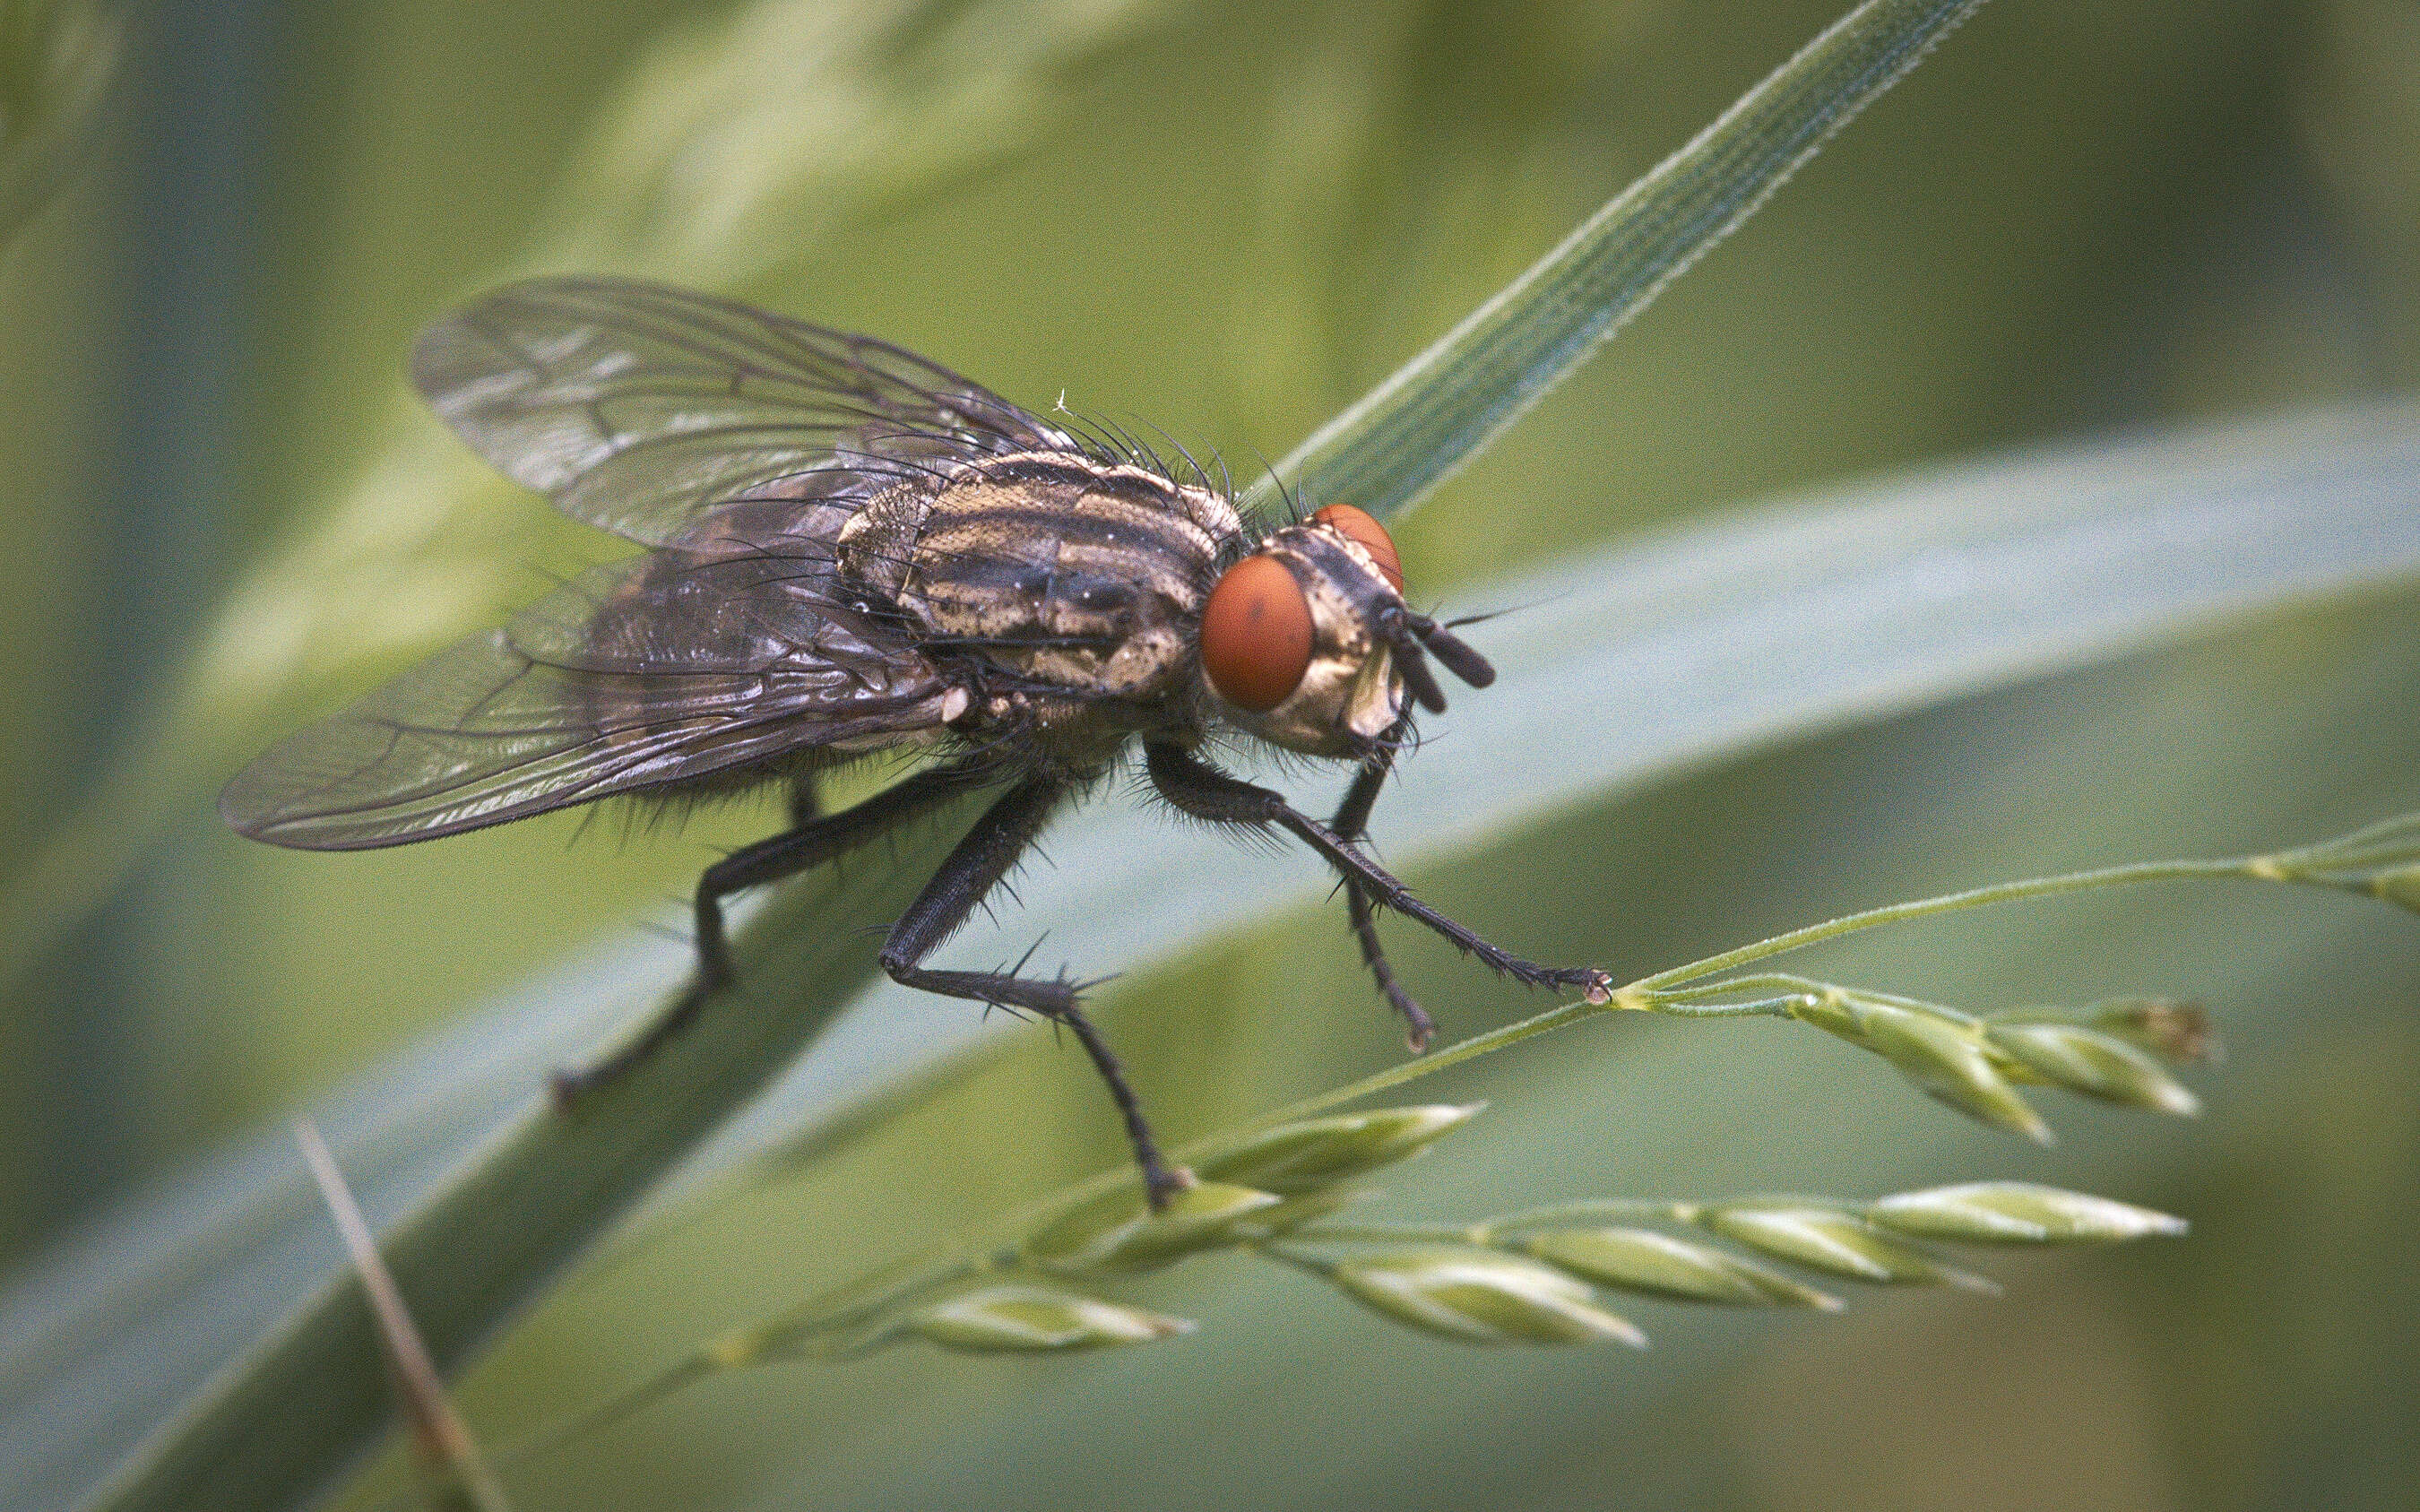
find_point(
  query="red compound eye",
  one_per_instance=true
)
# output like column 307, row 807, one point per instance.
column 1369, row 535
column 1256, row 634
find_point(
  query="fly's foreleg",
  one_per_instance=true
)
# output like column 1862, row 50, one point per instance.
column 1206, row 793
column 1352, row 819
column 988, row 853
column 813, row 842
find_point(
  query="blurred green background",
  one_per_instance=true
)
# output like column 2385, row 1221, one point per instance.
column 1230, row 219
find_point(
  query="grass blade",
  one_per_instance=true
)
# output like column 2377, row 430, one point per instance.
column 444, row 1440
column 1441, row 409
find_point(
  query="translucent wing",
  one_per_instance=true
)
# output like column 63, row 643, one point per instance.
column 669, row 666
column 638, row 407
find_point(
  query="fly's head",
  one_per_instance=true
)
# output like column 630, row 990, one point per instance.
column 1308, row 642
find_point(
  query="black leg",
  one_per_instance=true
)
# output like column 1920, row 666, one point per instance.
column 812, row 843
column 988, row 853
column 1352, row 819
column 1206, row 793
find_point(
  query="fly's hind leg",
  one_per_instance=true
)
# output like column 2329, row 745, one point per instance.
column 810, row 843
column 987, row 854
column 1352, row 819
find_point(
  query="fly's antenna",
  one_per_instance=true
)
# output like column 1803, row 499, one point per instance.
column 1459, row 659
column 1461, row 620
column 1522, row 608
column 1412, row 634
column 1416, row 677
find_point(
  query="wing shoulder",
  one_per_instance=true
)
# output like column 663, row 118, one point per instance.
column 637, row 406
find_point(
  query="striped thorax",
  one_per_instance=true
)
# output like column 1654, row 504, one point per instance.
column 1080, row 582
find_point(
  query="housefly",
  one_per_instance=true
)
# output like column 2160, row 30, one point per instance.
column 853, row 551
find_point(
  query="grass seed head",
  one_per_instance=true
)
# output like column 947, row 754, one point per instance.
column 1832, row 1241
column 1947, row 1058
column 1641, row 1259
column 2399, row 887
column 1305, row 1156
column 1025, row 1318
column 2093, row 1062
column 1120, row 1233
column 2018, row 1212
column 1482, row 1296
column 1292, row 1213
column 2175, row 1030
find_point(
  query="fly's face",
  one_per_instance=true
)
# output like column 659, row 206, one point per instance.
column 1310, row 645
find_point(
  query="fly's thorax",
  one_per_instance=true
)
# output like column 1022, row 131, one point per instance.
column 1350, row 694
column 1063, row 572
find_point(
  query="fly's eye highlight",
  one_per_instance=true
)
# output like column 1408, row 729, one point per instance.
column 1256, row 634
column 1369, row 535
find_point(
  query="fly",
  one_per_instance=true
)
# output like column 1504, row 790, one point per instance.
column 855, row 551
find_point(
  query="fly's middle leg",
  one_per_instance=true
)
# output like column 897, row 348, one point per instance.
column 987, row 854
column 811, row 842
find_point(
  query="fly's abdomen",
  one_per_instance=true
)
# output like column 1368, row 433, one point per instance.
column 1069, row 574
